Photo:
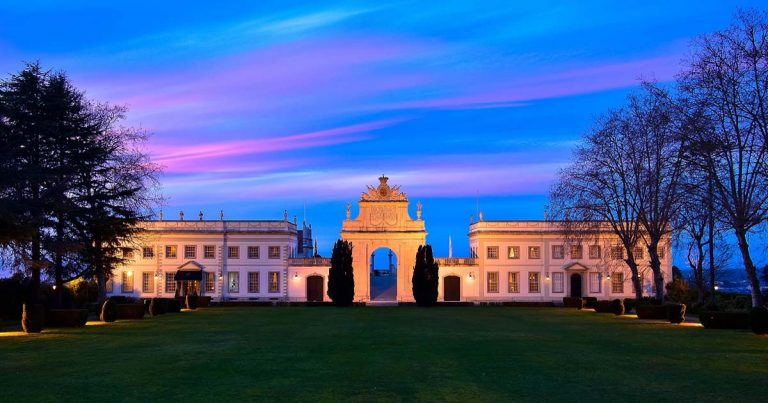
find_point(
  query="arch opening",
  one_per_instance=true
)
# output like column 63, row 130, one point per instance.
column 383, row 273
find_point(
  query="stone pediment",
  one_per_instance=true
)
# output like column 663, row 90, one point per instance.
column 383, row 192
column 576, row 266
column 191, row 266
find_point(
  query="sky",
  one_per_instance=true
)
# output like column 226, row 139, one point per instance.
column 257, row 107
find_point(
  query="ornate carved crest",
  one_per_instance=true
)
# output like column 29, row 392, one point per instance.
column 383, row 192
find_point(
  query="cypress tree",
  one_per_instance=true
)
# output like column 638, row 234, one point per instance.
column 425, row 277
column 341, row 280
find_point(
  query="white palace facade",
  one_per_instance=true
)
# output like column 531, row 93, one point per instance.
column 275, row 260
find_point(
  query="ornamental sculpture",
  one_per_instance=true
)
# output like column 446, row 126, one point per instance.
column 383, row 192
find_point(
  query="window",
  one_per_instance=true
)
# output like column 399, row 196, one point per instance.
column 493, row 281
column 617, row 283
column 170, row 283
column 253, row 252
column 233, row 252
column 557, row 282
column 147, row 252
column 617, row 252
column 513, row 252
column 274, row 281
column 190, row 252
column 595, row 252
column 558, row 252
column 513, row 279
column 660, row 251
column 147, row 282
column 110, row 285
column 273, row 252
column 253, row 282
column 170, row 251
column 127, row 281
column 492, row 252
column 128, row 253
column 233, row 281
column 576, row 252
column 210, row 282
column 533, row 282
column 595, row 282
column 637, row 253
column 534, row 252
column 209, row 252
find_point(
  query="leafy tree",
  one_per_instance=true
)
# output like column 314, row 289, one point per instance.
column 425, row 277
column 70, row 174
column 341, row 280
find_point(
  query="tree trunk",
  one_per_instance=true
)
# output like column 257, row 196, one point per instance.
column 635, row 278
column 34, row 284
column 749, row 267
column 101, row 284
column 658, row 274
column 711, row 240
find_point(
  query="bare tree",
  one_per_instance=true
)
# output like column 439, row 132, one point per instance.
column 596, row 190
column 656, row 141
column 727, row 75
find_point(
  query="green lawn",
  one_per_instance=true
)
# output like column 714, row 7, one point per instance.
column 385, row 354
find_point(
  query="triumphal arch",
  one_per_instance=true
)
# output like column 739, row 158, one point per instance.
column 384, row 222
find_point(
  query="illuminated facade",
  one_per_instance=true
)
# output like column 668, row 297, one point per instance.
column 272, row 260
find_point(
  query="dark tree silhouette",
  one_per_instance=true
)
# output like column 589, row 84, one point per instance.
column 341, row 280
column 425, row 277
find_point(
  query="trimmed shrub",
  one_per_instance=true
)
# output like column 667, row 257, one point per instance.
column 191, row 302
column 158, row 306
column 617, row 307
column 66, row 317
column 651, row 311
column 203, row 302
column 174, row 305
column 521, row 304
column 629, row 304
column 724, row 320
column 758, row 320
column 603, row 306
column 589, row 302
column 573, row 302
column 108, row 311
column 675, row 313
column 130, row 311
column 32, row 317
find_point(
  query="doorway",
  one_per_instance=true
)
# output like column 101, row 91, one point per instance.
column 451, row 288
column 576, row 285
column 315, row 288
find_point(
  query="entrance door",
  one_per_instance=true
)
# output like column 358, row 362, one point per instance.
column 576, row 285
column 451, row 288
column 315, row 288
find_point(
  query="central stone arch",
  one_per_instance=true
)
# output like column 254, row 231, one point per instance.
column 384, row 222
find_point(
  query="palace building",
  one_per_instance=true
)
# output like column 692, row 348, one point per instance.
column 275, row 260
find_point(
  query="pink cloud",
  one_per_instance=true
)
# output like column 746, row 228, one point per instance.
column 205, row 157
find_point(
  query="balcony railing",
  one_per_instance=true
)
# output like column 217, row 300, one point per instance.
column 309, row 261
column 456, row 261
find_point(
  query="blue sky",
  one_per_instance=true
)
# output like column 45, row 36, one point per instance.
column 255, row 108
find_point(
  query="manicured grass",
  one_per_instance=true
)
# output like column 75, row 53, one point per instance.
column 385, row 354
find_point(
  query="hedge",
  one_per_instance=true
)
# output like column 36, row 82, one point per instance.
column 651, row 311
column 203, row 302
column 32, row 318
column 130, row 311
column 108, row 311
column 615, row 307
column 191, row 301
column 758, row 320
column 589, row 302
column 724, row 320
column 66, row 317
column 573, row 302
column 529, row 304
column 675, row 313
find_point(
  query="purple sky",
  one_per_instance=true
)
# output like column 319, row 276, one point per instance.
column 263, row 107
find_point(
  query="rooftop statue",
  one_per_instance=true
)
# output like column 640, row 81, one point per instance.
column 383, row 192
